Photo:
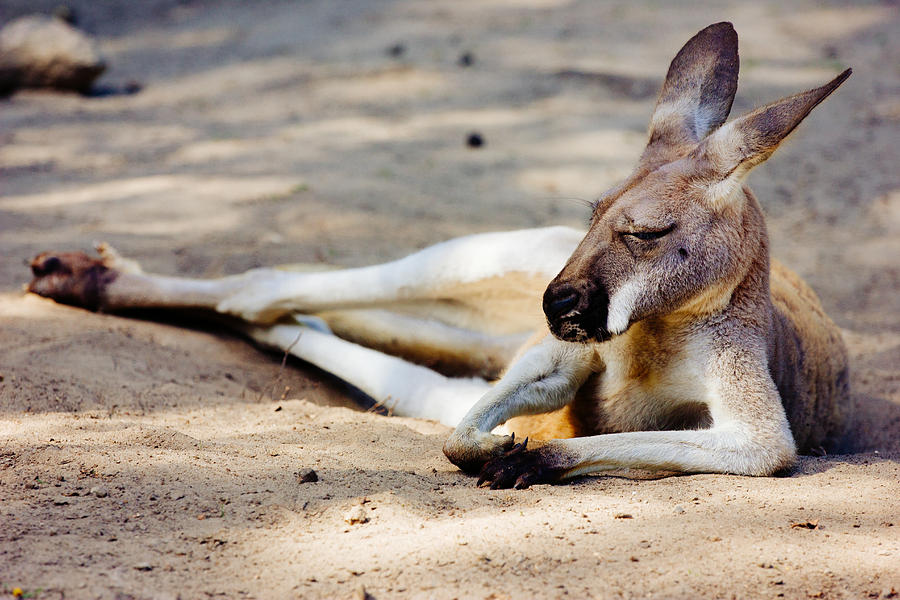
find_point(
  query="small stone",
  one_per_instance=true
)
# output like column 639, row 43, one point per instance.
column 99, row 491
column 44, row 52
column 143, row 567
column 679, row 509
column 474, row 140
column 397, row 50
column 466, row 59
column 66, row 13
column 362, row 594
column 356, row 515
column 307, row 476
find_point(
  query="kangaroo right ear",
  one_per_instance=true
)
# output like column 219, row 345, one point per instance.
column 733, row 150
column 697, row 94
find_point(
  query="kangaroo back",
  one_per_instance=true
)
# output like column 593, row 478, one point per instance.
column 808, row 362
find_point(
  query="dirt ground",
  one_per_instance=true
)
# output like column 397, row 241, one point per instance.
column 143, row 459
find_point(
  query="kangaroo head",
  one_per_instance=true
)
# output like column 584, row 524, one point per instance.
column 675, row 231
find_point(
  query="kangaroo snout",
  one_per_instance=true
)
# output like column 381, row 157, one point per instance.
column 576, row 315
column 558, row 303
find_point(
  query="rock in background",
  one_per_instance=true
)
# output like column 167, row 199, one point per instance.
column 46, row 52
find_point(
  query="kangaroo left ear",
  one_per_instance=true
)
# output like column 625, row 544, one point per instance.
column 697, row 93
column 735, row 148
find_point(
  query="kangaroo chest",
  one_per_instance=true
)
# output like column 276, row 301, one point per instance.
column 645, row 383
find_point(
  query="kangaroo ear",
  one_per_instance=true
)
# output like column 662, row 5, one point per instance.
column 697, row 94
column 733, row 150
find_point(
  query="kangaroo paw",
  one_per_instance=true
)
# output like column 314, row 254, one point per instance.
column 71, row 278
column 521, row 468
column 471, row 450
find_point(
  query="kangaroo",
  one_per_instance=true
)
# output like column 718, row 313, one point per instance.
column 665, row 340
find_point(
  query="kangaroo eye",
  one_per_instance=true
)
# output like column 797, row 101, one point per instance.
column 651, row 235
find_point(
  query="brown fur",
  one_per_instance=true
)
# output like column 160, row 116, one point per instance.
column 808, row 364
column 71, row 278
column 691, row 327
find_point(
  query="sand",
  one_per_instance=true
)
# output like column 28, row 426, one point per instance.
column 148, row 458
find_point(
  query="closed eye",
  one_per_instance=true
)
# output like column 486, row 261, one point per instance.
column 650, row 235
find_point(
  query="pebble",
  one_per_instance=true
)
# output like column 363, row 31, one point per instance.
column 66, row 13
column 307, row 476
column 362, row 594
column 99, row 491
column 679, row 509
column 475, row 140
column 356, row 515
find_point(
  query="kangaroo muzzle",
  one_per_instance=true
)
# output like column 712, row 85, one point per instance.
column 577, row 315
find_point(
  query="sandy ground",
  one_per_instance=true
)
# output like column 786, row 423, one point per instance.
column 140, row 459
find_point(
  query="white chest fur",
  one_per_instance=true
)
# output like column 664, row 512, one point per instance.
column 643, row 380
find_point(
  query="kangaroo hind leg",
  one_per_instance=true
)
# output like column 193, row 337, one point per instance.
column 404, row 388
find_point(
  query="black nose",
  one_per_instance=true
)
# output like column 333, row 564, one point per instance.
column 557, row 304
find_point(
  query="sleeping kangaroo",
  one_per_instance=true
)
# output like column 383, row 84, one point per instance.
column 673, row 343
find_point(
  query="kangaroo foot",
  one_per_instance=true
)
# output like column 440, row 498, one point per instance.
column 71, row 278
